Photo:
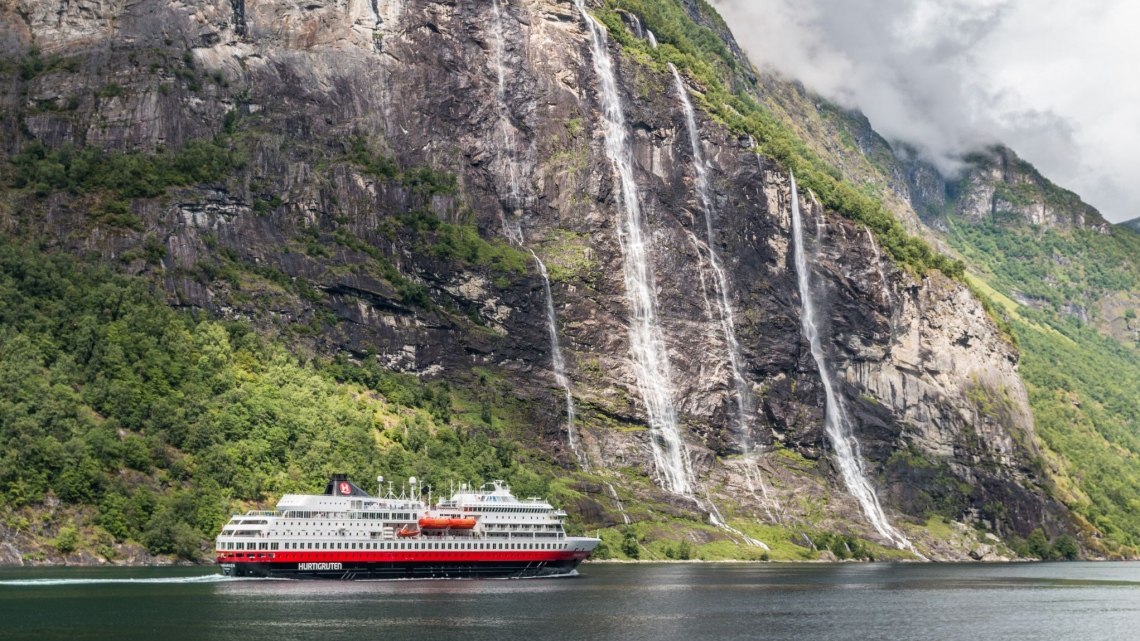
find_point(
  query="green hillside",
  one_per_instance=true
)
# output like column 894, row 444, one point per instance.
column 157, row 423
column 1084, row 382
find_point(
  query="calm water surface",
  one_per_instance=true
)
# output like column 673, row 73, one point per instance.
column 630, row 602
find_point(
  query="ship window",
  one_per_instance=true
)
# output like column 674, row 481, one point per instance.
column 273, row 546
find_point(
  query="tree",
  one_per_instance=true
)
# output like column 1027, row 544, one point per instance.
column 67, row 541
column 1065, row 547
column 1038, row 545
column 629, row 546
column 684, row 551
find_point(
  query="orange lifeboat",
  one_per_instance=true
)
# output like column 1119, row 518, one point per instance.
column 433, row 524
column 405, row 532
column 461, row 524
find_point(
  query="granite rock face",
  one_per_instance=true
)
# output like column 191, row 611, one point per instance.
column 940, row 411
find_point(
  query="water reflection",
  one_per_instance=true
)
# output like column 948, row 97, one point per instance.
column 652, row 602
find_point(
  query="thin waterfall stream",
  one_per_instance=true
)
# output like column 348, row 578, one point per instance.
column 835, row 422
column 879, row 267
column 744, row 400
column 557, row 361
column 617, row 500
column 514, row 234
column 647, row 341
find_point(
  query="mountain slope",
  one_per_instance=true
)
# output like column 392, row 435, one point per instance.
column 1060, row 277
column 363, row 185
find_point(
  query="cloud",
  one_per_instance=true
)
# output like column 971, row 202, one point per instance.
column 1053, row 79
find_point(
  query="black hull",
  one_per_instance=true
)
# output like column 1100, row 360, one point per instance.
column 365, row 571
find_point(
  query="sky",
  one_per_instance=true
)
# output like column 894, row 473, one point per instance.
column 1058, row 81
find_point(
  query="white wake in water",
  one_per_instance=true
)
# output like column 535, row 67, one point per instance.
column 835, row 422
column 647, row 342
column 208, row 578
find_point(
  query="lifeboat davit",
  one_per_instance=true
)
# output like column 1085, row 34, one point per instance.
column 433, row 524
column 405, row 532
column 461, row 524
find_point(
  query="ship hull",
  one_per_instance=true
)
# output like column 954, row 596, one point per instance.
column 368, row 570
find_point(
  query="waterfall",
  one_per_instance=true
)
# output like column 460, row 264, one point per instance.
column 513, row 232
column 879, row 266
column 744, row 401
column 835, row 421
column 556, row 360
column 652, row 38
column 620, row 506
column 718, row 521
column 647, row 342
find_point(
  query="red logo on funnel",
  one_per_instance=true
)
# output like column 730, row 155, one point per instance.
column 345, row 489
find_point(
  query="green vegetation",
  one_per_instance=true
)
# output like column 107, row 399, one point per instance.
column 82, row 170
column 728, row 98
column 1083, row 392
column 843, row 546
column 423, row 230
column 1057, row 268
column 1063, row 547
column 34, row 65
column 161, row 422
column 1082, row 384
column 424, row 181
column 438, row 238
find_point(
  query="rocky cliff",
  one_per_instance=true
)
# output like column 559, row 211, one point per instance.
column 314, row 237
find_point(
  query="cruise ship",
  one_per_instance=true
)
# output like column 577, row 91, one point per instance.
column 347, row 534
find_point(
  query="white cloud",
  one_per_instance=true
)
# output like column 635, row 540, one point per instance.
column 1056, row 80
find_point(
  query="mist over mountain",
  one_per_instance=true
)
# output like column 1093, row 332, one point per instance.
column 1051, row 79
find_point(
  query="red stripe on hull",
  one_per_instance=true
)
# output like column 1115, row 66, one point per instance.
column 396, row 556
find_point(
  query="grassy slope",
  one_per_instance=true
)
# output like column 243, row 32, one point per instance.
column 1083, row 382
column 163, row 422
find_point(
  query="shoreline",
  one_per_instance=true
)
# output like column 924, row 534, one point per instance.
column 180, row 563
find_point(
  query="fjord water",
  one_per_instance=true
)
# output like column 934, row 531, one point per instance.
column 651, row 602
